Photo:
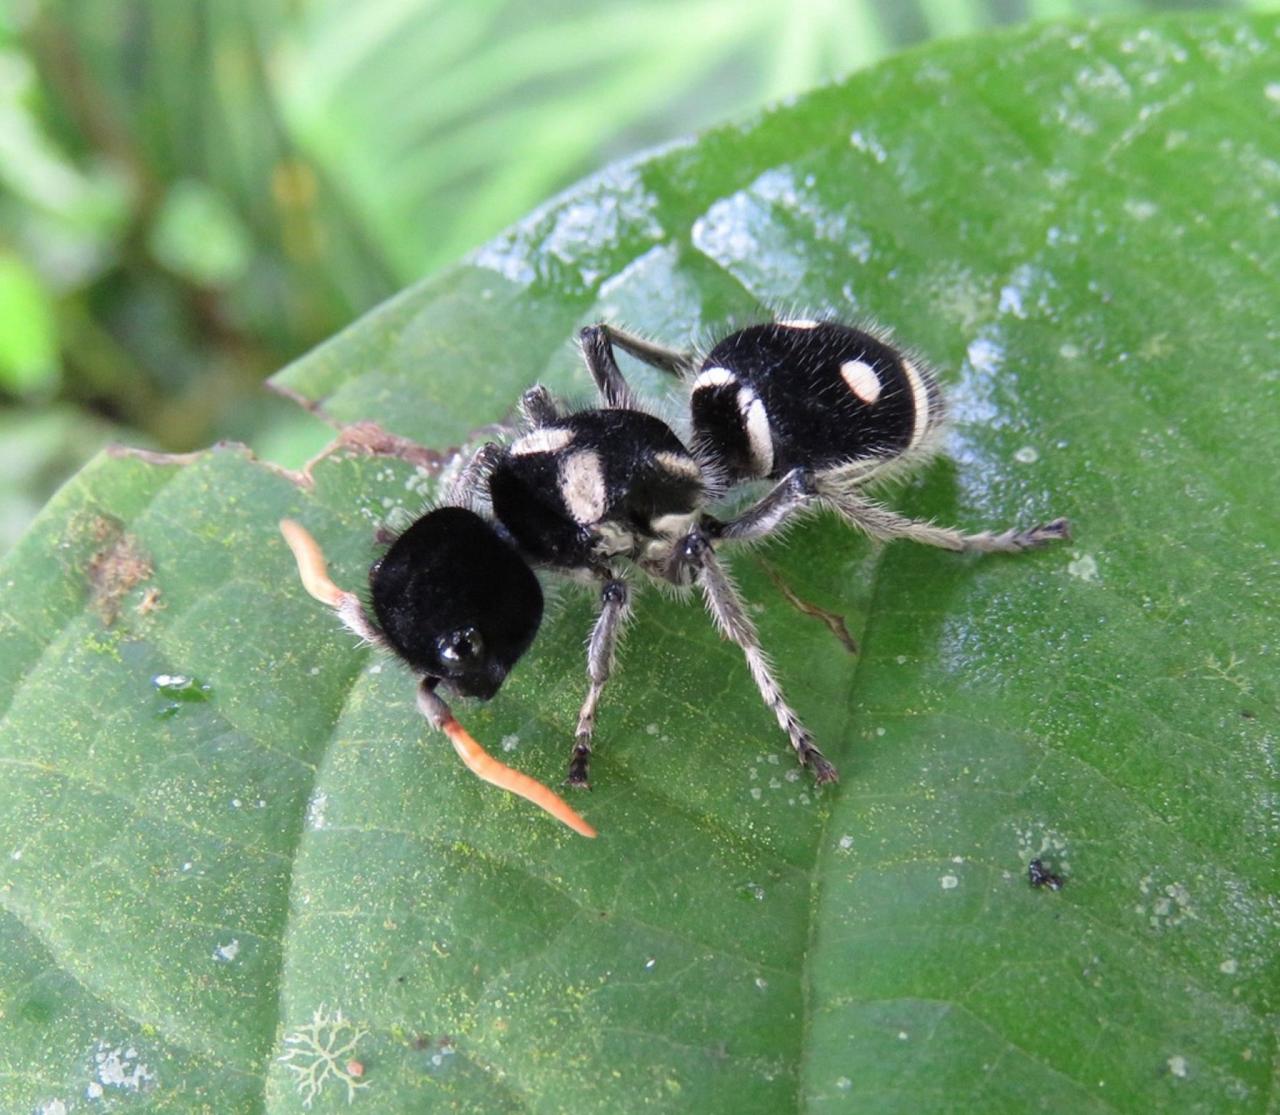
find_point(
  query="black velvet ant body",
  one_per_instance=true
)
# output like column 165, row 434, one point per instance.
column 820, row 408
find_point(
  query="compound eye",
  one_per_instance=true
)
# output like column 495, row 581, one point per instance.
column 461, row 646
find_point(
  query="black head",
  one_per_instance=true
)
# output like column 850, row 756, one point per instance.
column 456, row 602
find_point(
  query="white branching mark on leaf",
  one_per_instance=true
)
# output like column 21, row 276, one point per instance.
column 1228, row 671
column 322, row 1049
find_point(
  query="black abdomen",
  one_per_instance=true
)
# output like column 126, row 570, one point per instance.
column 811, row 395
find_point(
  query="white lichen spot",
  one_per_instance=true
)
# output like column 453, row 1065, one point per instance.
column 762, row 984
column 757, row 793
column 775, row 759
column 1272, row 92
column 228, row 952
column 648, row 964
column 93, row 1091
column 844, row 1083
column 1141, row 210
column 756, row 891
column 949, row 882
column 1171, row 907
column 1083, row 568
column 1178, row 1066
column 314, row 671
column 1037, row 841
column 321, row 1050
column 1027, row 455
column 121, row 1068
column 880, row 731
column 52, row 1107
column 1011, row 301
column 510, row 743
column 845, row 842
column 869, row 145
column 985, row 355
column 651, row 729
column 1229, row 967
column 792, row 776
column 1069, row 351
column 775, row 784
column 315, row 810
column 903, row 1035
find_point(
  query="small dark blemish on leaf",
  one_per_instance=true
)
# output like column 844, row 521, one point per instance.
column 1038, row 875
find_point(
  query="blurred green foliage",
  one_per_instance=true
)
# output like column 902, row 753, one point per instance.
column 194, row 192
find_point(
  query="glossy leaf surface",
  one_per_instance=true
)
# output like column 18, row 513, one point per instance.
column 227, row 833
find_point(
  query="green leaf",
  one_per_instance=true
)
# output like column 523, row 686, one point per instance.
column 197, row 234
column 227, row 833
column 28, row 335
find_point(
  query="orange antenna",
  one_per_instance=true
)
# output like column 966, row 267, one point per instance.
column 314, row 572
column 484, row 766
column 312, row 567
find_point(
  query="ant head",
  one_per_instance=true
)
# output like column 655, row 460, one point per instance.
column 456, row 601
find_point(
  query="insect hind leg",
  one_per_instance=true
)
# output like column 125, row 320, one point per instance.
column 730, row 615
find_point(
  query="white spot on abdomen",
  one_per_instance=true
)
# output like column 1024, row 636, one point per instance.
column 919, row 400
column 759, row 437
column 582, row 486
column 550, row 440
column 862, row 380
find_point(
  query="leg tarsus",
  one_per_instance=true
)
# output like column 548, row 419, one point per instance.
column 579, row 777
column 1045, row 534
column 615, row 606
column 673, row 361
column 468, row 487
column 538, row 408
column 883, row 523
column 695, row 554
column 823, row 772
column 597, row 351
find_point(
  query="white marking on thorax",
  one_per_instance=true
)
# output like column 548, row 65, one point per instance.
column 678, row 464
column 549, row 440
column 800, row 323
column 919, row 400
column 759, row 437
column 614, row 539
column 675, row 525
column 582, row 486
column 714, row 377
column 862, row 380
